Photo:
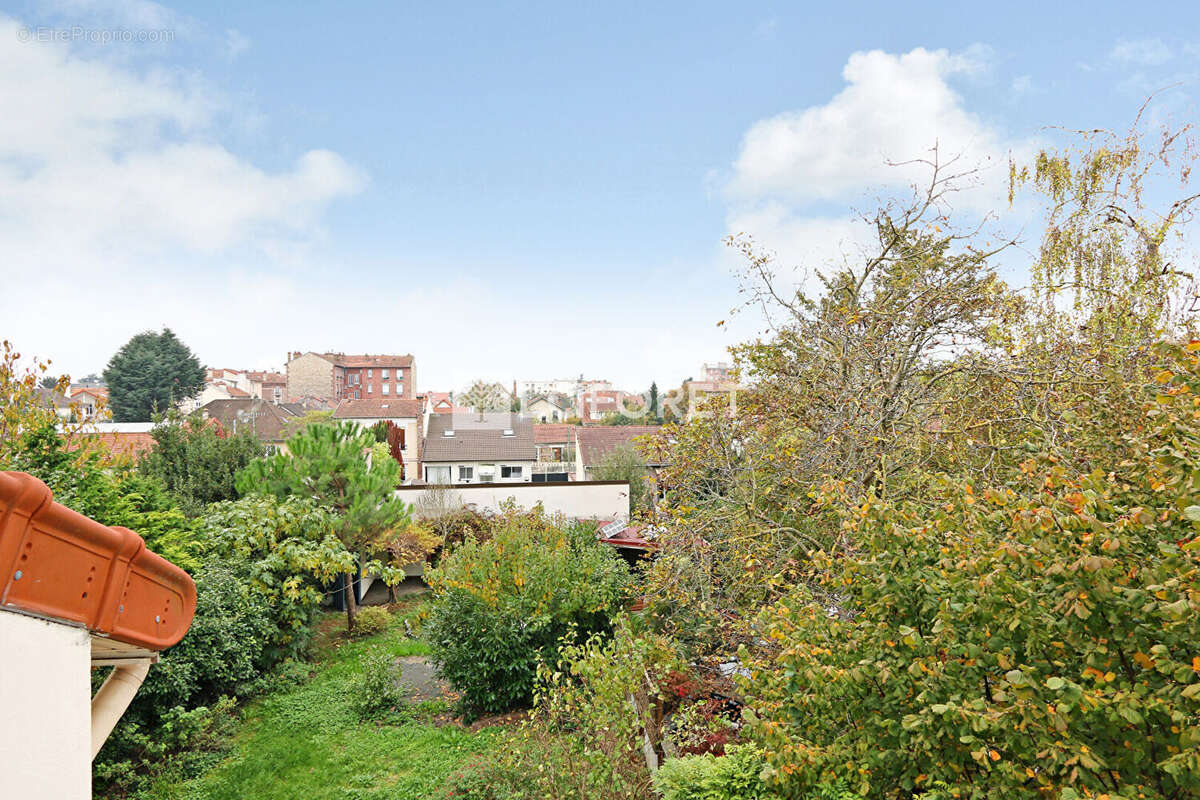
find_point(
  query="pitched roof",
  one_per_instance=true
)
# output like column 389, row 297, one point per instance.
column 476, row 440
column 121, row 443
column 442, row 399
column 552, row 434
column 343, row 360
column 596, row 443
column 98, row 392
column 267, row 377
column 378, row 408
column 249, row 414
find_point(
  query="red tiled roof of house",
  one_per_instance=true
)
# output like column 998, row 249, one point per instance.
column 440, row 403
column 595, row 443
column 236, row 392
column 381, row 408
column 95, row 391
column 552, row 434
column 343, row 360
column 268, row 377
column 122, row 444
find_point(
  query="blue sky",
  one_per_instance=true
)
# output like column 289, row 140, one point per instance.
column 510, row 191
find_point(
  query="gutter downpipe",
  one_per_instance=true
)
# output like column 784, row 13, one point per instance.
column 113, row 697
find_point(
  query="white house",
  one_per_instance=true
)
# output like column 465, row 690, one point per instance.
column 478, row 448
column 547, row 408
column 403, row 413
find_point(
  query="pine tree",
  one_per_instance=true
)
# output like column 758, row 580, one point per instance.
column 150, row 374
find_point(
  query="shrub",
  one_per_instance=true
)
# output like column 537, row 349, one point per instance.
column 284, row 551
column 378, row 688
column 502, row 605
column 584, row 738
column 1028, row 641
column 733, row 776
column 372, row 620
column 197, row 461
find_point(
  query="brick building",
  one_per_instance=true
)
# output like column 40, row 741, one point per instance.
column 337, row 376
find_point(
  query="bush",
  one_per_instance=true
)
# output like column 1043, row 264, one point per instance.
column 733, row 776
column 372, row 620
column 378, row 688
column 1023, row 642
column 501, row 606
column 585, row 736
column 197, row 461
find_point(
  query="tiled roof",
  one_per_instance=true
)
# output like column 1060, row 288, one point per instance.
column 552, row 434
column 595, row 443
column 440, row 403
column 236, row 392
column 476, row 440
column 383, row 408
column 94, row 391
column 264, row 420
column 268, row 377
column 127, row 444
column 343, row 360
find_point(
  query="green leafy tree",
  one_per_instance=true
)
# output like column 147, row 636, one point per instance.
column 502, row 605
column 625, row 463
column 1029, row 640
column 197, row 462
column 655, row 411
column 150, row 374
column 328, row 462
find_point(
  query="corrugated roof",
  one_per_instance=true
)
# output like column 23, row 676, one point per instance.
column 479, row 440
column 596, row 443
column 378, row 408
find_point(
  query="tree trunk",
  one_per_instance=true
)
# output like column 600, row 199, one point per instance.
column 351, row 604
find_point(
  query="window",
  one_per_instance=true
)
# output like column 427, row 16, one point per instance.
column 385, row 388
column 399, row 388
column 370, row 388
column 437, row 474
column 370, row 373
column 465, row 473
column 383, row 373
column 510, row 472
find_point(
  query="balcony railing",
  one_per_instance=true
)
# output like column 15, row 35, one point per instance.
column 545, row 467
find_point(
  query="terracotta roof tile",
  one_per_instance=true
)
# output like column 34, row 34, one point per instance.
column 595, row 443
column 381, row 408
column 552, row 434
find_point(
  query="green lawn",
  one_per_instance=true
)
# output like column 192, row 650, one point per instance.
column 305, row 741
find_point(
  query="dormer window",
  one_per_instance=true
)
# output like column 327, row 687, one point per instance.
column 509, row 432
column 448, row 434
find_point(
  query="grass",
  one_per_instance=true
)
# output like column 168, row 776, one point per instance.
column 307, row 741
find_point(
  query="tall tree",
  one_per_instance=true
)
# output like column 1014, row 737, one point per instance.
column 328, row 462
column 654, row 400
column 150, row 374
column 198, row 462
column 485, row 397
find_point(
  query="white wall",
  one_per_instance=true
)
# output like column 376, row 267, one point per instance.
column 45, row 709
column 588, row 500
column 525, row 477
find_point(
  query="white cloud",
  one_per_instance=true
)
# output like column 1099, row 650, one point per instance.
column 895, row 108
column 799, row 174
column 108, row 154
column 1146, row 52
